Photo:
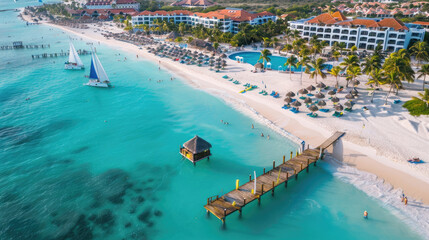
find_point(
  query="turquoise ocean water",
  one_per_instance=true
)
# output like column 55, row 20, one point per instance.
column 85, row 163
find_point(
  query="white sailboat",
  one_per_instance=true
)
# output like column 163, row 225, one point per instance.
column 74, row 61
column 97, row 75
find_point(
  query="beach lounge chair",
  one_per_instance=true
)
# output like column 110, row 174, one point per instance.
column 312, row 115
column 396, row 101
column 294, row 110
column 310, row 94
column 225, row 76
column 302, row 97
column 348, row 109
column 285, row 106
column 272, row 93
column 276, row 96
column 324, row 110
column 337, row 114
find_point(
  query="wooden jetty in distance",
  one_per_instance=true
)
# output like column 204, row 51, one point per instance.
column 20, row 45
column 235, row 200
column 61, row 54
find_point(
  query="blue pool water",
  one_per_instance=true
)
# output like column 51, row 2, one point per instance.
column 86, row 163
column 277, row 62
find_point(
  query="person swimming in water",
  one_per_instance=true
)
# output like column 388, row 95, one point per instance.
column 262, row 134
column 253, row 126
column 365, row 214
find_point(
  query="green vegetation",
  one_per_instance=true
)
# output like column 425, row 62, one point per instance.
column 418, row 105
column 53, row 9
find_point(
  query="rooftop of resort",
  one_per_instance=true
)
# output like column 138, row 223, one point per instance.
column 193, row 3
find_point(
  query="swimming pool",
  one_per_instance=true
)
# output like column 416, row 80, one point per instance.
column 277, row 62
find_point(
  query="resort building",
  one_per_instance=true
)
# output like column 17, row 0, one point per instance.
column 227, row 19
column 112, row 4
column 424, row 25
column 364, row 33
column 193, row 3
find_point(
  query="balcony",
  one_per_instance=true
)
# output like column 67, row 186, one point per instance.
column 380, row 41
column 327, row 30
column 393, row 35
column 335, row 37
column 371, row 40
column 364, row 33
column 372, row 34
column 401, row 43
column 354, row 32
column 313, row 29
column 381, row 35
column 345, row 32
column 401, row 37
column 327, row 36
column 352, row 39
column 363, row 39
column 391, row 42
column 336, row 31
column 344, row 38
column 320, row 30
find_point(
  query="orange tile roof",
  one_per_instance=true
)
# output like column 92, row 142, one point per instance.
column 236, row 15
column 328, row 18
column 393, row 23
column 165, row 13
column 421, row 23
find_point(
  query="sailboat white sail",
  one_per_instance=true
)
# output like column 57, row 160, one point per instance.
column 74, row 61
column 97, row 76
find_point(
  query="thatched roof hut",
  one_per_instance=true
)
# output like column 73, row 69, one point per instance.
column 201, row 44
column 196, row 149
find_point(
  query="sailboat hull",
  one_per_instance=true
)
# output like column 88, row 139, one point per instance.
column 70, row 66
column 93, row 83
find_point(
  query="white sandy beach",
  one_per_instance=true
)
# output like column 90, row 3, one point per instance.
column 377, row 141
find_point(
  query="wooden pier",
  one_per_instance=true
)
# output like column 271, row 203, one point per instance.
column 21, row 46
column 223, row 206
column 61, row 54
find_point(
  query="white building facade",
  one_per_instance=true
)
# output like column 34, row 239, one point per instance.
column 362, row 33
column 112, row 4
column 226, row 20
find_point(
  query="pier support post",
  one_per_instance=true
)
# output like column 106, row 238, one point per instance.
column 291, row 154
column 262, row 189
column 315, row 163
column 296, row 174
column 264, row 170
column 259, row 200
column 272, row 191
column 244, row 202
column 301, row 166
column 308, row 164
column 250, row 177
column 274, row 164
column 284, row 158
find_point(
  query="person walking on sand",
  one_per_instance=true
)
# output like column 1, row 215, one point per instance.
column 402, row 197
column 405, row 201
column 253, row 126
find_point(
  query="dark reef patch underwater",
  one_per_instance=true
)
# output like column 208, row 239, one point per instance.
column 76, row 204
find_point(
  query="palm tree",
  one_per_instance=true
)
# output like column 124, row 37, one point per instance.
column 418, row 105
column 215, row 46
column 291, row 62
column 336, row 71
column 341, row 46
column 399, row 62
column 303, row 63
column 316, row 48
column 352, row 74
column 392, row 78
column 423, row 72
column 421, row 51
column 265, row 56
column 287, row 48
column 423, row 98
column 371, row 63
column 336, row 55
column 318, row 65
column 376, row 76
column 353, row 49
column 267, row 41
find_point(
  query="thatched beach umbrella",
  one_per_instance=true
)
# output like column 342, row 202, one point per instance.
column 296, row 104
column 310, row 88
column 335, row 99
column 223, row 55
column 307, row 100
column 259, row 65
column 321, row 103
column 349, row 96
column 355, row 82
column 321, row 85
column 354, row 92
column 339, row 108
column 331, row 92
column 303, row 91
column 319, row 95
column 290, row 94
column 288, row 100
column 313, row 108
column 348, row 104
